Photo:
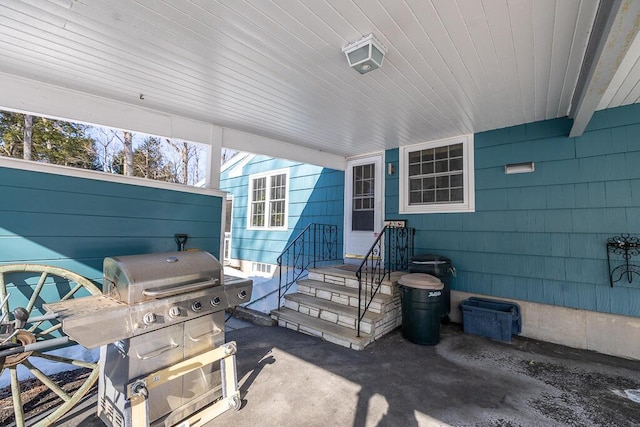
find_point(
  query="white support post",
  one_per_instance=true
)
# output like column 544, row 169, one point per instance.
column 212, row 178
column 215, row 151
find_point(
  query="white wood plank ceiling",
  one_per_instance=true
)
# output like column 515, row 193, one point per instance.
column 275, row 68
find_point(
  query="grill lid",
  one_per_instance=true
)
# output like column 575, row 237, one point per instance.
column 149, row 292
column 136, row 278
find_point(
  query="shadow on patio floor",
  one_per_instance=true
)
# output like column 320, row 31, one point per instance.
column 465, row 380
column 290, row 379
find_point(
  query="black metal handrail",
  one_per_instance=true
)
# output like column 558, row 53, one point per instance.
column 390, row 252
column 316, row 244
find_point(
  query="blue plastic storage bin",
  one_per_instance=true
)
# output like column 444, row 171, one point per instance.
column 491, row 318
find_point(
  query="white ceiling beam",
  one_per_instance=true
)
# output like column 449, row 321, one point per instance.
column 615, row 28
column 621, row 84
column 250, row 143
column 38, row 98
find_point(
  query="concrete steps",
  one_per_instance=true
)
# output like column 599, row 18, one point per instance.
column 333, row 312
column 348, row 279
column 326, row 306
column 328, row 331
column 339, row 294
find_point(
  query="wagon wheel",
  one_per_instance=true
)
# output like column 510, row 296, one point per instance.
column 53, row 284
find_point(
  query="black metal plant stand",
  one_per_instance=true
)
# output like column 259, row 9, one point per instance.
column 627, row 247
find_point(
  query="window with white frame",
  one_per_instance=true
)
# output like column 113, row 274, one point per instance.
column 268, row 200
column 437, row 176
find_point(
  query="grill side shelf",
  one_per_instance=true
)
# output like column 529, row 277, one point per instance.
column 93, row 321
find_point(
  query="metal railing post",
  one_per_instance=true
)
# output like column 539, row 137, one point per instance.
column 384, row 265
column 359, row 275
column 280, row 280
column 300, row 253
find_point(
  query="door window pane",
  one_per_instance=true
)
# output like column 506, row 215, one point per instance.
column 362, row 216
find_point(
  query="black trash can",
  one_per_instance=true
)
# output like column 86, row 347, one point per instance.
column 421, row 296
column 440, row 267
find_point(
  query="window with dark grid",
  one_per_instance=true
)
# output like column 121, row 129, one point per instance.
column 436, row 175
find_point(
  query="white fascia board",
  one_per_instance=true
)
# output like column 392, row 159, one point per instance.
column 241, row 141
column 233, row 161
column 238, row 168
column 626, row 67
column 613, row 45
column 31, row 96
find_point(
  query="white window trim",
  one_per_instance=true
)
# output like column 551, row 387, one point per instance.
column 267, row 207
column 468, row 176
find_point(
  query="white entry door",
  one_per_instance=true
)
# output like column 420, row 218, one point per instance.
column 363, row 205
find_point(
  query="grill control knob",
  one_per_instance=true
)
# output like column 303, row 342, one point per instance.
column 149, row 318
column 174, row 312
column 242, row 294
column 196, row 306
column 215, row 301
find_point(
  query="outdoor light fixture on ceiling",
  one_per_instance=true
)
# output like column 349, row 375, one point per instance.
column 365, row 54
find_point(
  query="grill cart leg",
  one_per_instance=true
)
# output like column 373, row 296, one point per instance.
column 139, row 390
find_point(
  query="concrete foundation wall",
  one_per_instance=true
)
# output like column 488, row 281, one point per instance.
column 605, row 333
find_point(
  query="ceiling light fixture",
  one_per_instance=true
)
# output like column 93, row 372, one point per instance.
column 365, row 54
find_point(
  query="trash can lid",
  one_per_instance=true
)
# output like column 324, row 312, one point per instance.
column 421, row 281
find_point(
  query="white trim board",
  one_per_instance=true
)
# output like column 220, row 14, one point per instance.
column 31, row 96
column 256, row 144
column 28, row 165
column 267, row 210
column 357, row 243
column 468, row 205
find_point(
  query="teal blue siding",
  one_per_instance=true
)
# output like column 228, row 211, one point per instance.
column 541, row 236
column 315, row 196
column 75, row 223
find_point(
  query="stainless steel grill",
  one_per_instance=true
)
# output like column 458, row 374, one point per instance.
column 157, row 311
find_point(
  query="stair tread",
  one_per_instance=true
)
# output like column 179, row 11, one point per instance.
column 332, row 306
column 323, row 326
column 334, row 271
column 341, row 289
column 339, row 272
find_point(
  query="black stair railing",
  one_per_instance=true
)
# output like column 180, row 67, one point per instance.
column 316, row 245
column 390, row 252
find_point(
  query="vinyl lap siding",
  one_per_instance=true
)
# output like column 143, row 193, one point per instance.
column 75, row 222
column 315, row 194
column 541, row 236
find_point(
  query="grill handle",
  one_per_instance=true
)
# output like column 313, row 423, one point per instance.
column 158, row 352
column 181, row 289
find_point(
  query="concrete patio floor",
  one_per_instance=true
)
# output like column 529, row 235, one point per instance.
column 290, row 379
